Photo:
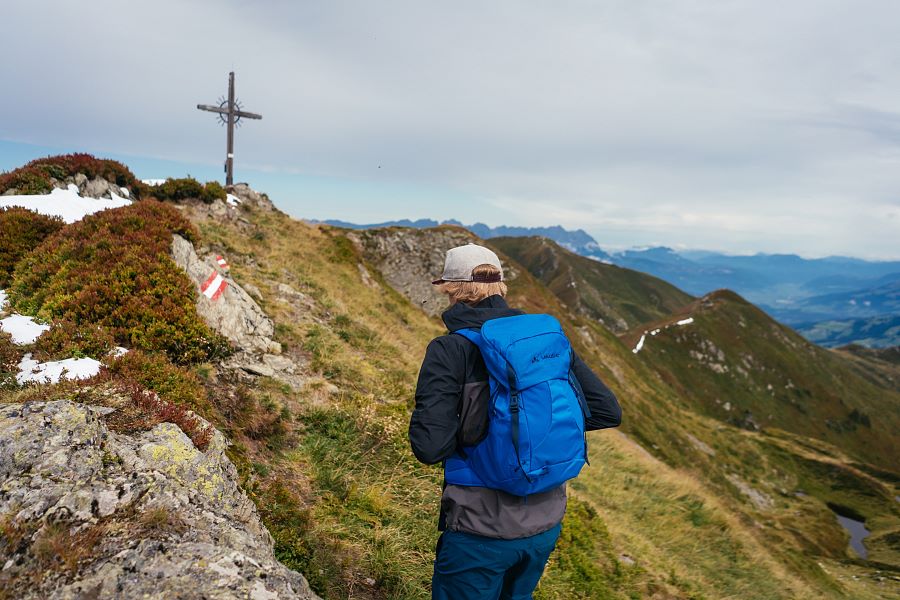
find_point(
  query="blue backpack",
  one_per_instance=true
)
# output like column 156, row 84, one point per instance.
column 536, row 425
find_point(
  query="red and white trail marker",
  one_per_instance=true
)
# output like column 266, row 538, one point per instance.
column 222, row 262
column 214, row 285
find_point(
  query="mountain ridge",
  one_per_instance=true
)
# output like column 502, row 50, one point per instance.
column 787, row 286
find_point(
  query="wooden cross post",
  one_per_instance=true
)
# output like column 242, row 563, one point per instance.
column 230, row 114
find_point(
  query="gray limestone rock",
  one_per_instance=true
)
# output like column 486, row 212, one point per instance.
column 91, row 188
column 409, row 259
column 146, row 515
column 234, row 314
column 95, row 188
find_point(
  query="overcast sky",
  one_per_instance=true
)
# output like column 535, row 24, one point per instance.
column 736, row 125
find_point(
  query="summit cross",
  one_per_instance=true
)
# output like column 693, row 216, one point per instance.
column 230, row 114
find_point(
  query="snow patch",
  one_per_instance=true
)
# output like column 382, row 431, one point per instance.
column 24, row 330
column 67, row 203
column 51, row 372
column 2, row 299
column 153, row 181
column 656, row 331
column 640, row 344
column 118, row 351
column 232, row 199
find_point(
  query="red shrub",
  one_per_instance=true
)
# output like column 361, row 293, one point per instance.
column 21, row 231
column 113, row 269
column 156, row 373
column 65, row 339
column 34, row 177
column 146, row 410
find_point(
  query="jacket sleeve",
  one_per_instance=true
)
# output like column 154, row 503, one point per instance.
column 435, row 421
column 602, row 404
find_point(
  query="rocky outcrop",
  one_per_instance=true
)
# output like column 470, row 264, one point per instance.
column 86, row 512
column 410, row 259
column 251, row 197
column 97, row 187
column 234, row 314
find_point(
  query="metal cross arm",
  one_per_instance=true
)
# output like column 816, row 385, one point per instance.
column 224, row 111
column 230, row 114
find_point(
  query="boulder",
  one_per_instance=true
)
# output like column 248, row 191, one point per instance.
column 91, row 513
column 95, row 188
column 234, row 314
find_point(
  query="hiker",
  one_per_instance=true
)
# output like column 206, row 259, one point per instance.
column 494, row 544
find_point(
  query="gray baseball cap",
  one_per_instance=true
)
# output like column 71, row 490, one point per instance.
column 462, row 260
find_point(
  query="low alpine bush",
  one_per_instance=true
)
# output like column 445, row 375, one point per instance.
column 21, row 231
column 35, row 177
column 65, row 339
column 154, row 372
column 187, row 188
column 113, row 269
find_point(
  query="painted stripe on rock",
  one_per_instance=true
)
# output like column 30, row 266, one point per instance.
column 214, row 286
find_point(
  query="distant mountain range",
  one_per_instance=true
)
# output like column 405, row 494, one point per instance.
column 833, row 300
column 578, row 241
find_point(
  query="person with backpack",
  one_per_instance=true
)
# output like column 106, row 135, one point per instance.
column 503, row 402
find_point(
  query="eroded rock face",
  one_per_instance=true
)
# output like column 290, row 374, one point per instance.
column 100, row 514
column 410, row 259
column 234, row 314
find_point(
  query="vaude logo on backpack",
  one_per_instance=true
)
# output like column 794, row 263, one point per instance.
column 535, row 438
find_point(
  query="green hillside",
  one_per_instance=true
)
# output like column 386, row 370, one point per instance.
column 619, row 298
column 736, row 364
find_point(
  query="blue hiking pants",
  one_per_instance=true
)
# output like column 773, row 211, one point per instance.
column 472, row 567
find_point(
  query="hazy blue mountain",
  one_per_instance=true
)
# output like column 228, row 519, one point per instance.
column 833, row 301
column 418, row 224
column 693, row 277
column 772, row 280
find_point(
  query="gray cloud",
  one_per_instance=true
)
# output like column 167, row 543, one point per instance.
column 742, row 125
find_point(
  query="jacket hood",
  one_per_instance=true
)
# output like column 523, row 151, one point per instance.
column 464, row 316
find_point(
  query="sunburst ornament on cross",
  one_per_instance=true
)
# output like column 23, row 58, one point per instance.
column 230, row 114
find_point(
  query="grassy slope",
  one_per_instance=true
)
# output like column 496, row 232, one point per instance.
column 356, row 505
column 619, row 298
column 734, row 353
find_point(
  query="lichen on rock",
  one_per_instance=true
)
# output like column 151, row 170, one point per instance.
column 90, row 513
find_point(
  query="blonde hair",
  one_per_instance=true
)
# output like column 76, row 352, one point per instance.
column 473, row 292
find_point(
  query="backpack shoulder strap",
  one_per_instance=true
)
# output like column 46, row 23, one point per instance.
column 473, row 335
column 476, row 338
